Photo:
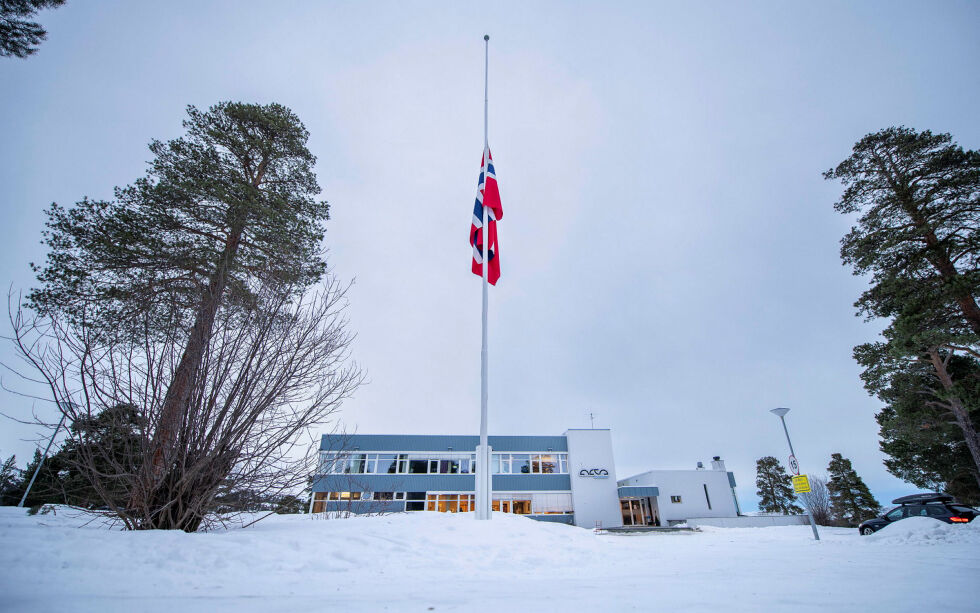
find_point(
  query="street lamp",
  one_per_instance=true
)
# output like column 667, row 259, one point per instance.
column 781, row 412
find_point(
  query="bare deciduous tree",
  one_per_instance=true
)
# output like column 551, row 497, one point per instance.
column 269, row 374
column 817, row 500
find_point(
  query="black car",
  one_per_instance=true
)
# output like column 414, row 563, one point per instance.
column 936, row 506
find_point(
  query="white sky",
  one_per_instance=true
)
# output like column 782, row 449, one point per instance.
column 669, row 248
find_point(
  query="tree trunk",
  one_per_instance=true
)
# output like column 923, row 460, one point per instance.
column 959, row 412
column 940, row 260
column 179, row 392
column 175, row 403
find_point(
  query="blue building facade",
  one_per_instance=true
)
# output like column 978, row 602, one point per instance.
column 391, row 473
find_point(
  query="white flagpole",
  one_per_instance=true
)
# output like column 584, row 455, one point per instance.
column 483, row 477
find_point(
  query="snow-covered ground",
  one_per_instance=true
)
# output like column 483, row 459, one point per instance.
column 444, row 562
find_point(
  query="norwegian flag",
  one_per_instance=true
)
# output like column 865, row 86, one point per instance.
column 487, row 194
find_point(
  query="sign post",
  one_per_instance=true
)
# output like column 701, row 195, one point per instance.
column 781, row 412
column 794, row 466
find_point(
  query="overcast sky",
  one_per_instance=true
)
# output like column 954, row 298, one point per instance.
column 669, row 248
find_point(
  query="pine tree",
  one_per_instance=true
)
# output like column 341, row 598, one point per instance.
column 918, row 239
column 850, row 500
column 775, row 487
column 924, row 444
column 18, row 36
column 48, row 487
column 9, row 477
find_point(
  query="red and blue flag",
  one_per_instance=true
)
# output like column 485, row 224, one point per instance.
column 487, row 195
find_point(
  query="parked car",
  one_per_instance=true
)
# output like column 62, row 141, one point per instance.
column 936, row 506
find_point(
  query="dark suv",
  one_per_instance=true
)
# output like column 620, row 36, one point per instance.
column 936, row 506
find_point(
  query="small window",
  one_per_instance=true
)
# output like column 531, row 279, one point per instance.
column 415, row 502
column 895, row 513
column 936, row 510
column 675, row 498
column 520, row 463
column 387, row 463
column 320, row 502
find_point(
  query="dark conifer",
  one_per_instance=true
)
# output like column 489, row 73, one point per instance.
column 775, row 488
column 850, row 500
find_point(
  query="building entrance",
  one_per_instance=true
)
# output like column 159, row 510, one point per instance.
column 639, row 512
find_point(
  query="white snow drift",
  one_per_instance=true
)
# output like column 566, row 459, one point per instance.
column 445, row 562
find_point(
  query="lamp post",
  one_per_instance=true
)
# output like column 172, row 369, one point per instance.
column 41, row 461
column 781, row 412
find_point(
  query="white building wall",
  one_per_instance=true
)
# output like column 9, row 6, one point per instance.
column 689, row 485
column 749, row 521
column 594, row 499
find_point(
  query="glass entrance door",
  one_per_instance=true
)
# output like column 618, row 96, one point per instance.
column 624, row 506
column 638, row 512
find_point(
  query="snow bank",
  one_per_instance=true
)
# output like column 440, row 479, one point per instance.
column 926, row 531
column 450, row 562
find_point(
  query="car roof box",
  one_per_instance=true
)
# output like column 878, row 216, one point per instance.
column 922, row 498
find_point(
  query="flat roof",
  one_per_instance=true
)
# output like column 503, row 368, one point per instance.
column 438, row 442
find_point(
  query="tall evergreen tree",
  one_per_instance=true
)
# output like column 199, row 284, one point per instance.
column 850, row 500
column 918, row 237
column 918, row 195
column 923, row 443
column 775, row 487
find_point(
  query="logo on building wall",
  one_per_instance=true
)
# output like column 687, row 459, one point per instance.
column 595, row 473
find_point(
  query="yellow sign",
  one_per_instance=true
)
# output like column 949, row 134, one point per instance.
column 801, row 484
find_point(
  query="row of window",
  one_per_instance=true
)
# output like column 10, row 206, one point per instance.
column 445, row 464
column 521, row 504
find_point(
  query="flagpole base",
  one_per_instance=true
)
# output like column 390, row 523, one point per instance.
column 484, row 482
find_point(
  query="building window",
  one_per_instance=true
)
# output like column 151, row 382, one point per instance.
column 519, row 505
column 325, row 496
column 435, row 463
column 675, row 498
column 418, row 465
column 387, row 463
column 551, row 504
column 544, row 464
column 319, row 502
column 391, row 463
column 520, row 463
column 449, row 503
column 529, row 463
column 415, row 501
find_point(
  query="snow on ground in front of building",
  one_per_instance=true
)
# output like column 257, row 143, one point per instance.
column 448, row 562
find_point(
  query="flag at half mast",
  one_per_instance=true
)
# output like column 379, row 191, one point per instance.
column 487, row 195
